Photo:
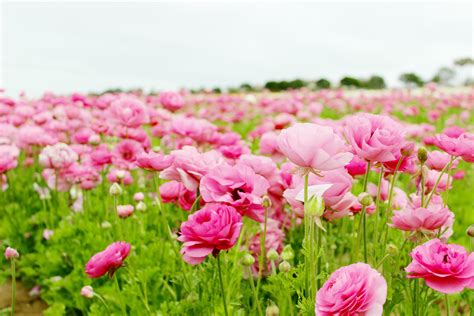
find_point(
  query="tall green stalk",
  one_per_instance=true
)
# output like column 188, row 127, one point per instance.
column 13, row 271
column 222, row 285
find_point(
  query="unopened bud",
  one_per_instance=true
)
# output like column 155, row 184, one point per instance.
column 287, row 253
column 365, row 199
column 470, row 231
column 11, row 253
column 248, row 260
column 422, row 154
column 408, row 149
column 105, row 225
column 120, row 174
column 87, row 291
column 315, row 207
column 284, row 266
column 272, row 255
column 141, row 206
column 272, row 310
column 115, row 189
column 266, row 203
column 392, row 249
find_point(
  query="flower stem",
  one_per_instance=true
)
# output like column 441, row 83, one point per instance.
column 438, row 180
column 101, row 299
column 377, row 205
column 448, row 308
column 122, row 305
column 364, row 213
column 13, row 270
column 222, row 284
column 255, row 294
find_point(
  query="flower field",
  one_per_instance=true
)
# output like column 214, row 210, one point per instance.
column 298, row 203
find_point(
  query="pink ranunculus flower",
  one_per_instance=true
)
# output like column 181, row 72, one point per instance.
column 124, row 211
column 455, row 145
column 8, row 157
column 57, row 156
column 174, row 191
column 128, row 112
column 213, row 228
column 11, row 253
column 356, row 166
column 171, row 101
column 467, row 142
column 437, row 160
column 356, row 289
column 238, row 186
column 313, row 147
column 154, row 161
column 374, row 138
column 108, row 260
column 422, row 219
column 446, row 268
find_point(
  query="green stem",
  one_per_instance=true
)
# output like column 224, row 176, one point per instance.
column 364, row 213
column 438, row 180
column 222, row 285
column 13, row 270
column 122, row 304
column 101, row 299
column 377, row 205
column 448, row 307
column 256, row 302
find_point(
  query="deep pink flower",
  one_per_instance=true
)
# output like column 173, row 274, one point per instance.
column 374, row 137
column 356, row 289
column 238, row 186
column 313, row 147
column 154, row 161
column 356, row 166
column 108, row 260
column 446, row 268
column 213, row 228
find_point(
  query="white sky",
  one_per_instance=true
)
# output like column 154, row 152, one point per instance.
column 65, row 47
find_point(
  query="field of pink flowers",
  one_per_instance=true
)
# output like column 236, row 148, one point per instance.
column 299, row 203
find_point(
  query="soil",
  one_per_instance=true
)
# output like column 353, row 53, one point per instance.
column 25, row 304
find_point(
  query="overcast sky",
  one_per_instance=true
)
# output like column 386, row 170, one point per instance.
column 94, row 46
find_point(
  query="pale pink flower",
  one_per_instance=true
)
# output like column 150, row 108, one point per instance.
column 124, row 211
column 313, row 147
column 11, row 253
column 8, row 157
column 87, row 291
column 154, row 161
column 57, row 156
column 128, row 111
column 437, row 160
column 422, row 219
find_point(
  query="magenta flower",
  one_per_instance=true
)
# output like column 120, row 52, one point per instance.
column 374, row 137
column 356, row 289
column 213, row 228
column 176, row 192
column 446, row 268
column 313, row 147
column 238, row 186
column 108, row 260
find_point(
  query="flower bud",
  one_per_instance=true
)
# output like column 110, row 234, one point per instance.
column 287, row 253
column 248, row 260
column 272, row 310
column 139, row 196
column 141, row 206
column 365, row 199
column 470, row 231
column 120, row 174
column 284, row 266
column 272, row 255
column 11, row 253
column 105, row 225
column 115, row 189
column 408, row 149
column 87, row 291
column 392, row 249
column 266, row 203
column 422, row 154
column 125, row 210
column 315, row 206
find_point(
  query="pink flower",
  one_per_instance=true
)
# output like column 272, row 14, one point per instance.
column 154, row 161
column 128, row 111
column 238, row 186
column 356, row 289
column 126, row 153
column 446, row 268
column 124, row 211
column 139, row 196
column 374, row 137
column 8, row 157
column 11, row 253
column 175, row 191
column 313, row 147
column 108, row 260
column 423, row 219
column 432, row 178
column 437, row 160
column 57, row 156
column 87, row 291
column 356, row 166
column 456, row 146
column 189, row 166
column 213, row 228
column 171, row 101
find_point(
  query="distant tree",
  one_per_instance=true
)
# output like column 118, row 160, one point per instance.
column 411, row 79
column 444, row 76
column 374, row 82
column 297, row 84
column 323, row 84
column 247, row 87
column 217, row 90
column 350, row 82
column 464, row 61
column 272, row 86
